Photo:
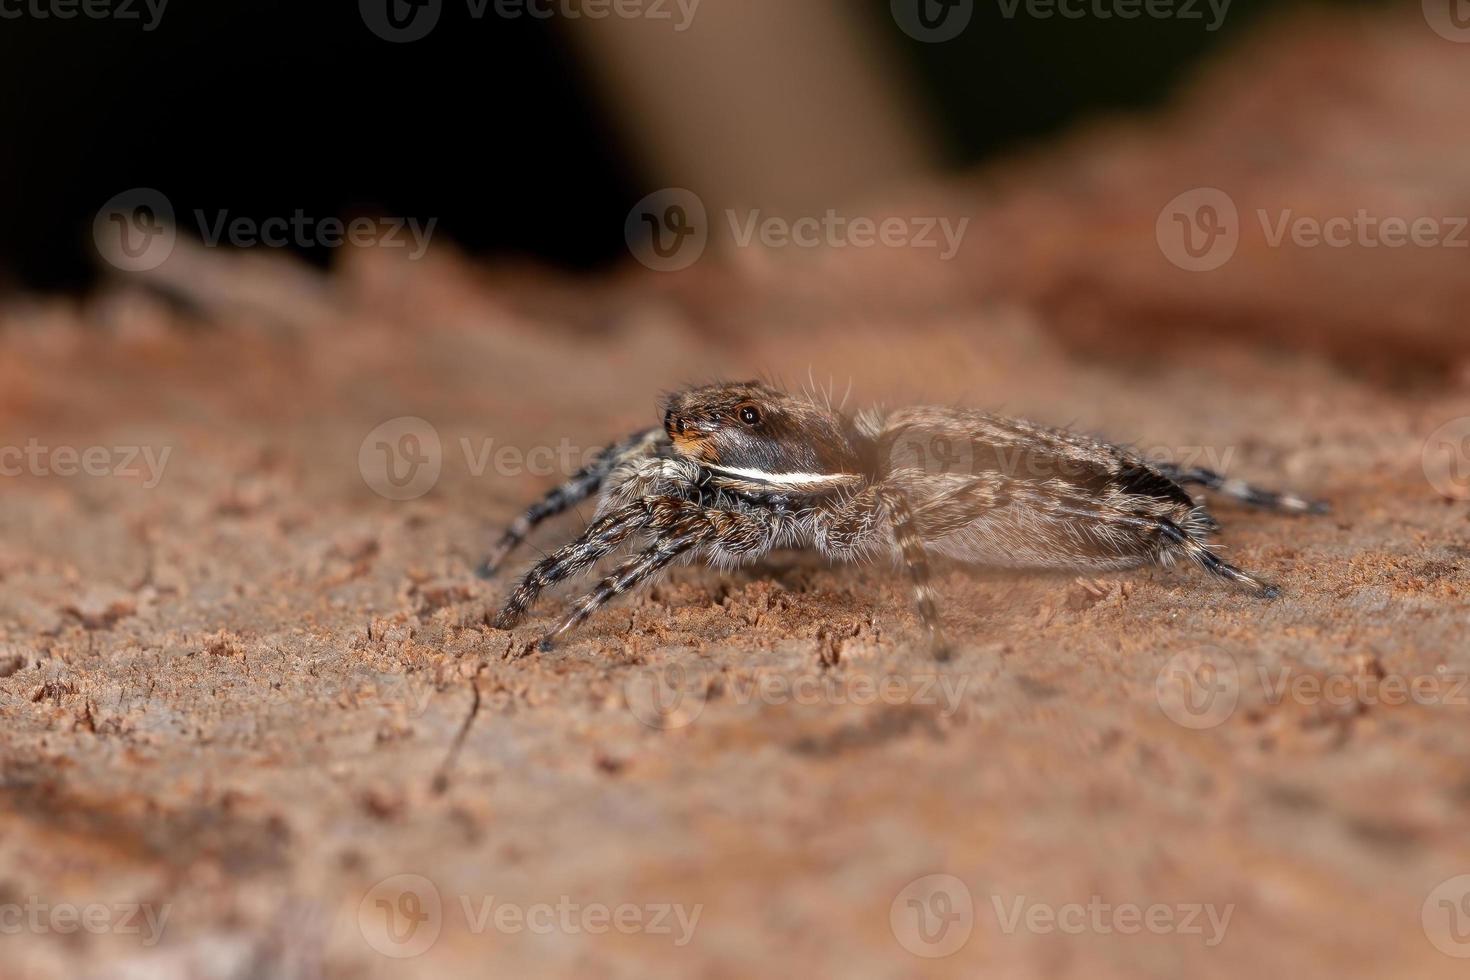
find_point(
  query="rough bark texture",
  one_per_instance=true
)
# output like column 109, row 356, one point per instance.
column 237, row 693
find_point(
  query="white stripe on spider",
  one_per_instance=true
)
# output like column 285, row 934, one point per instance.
column 763, row 476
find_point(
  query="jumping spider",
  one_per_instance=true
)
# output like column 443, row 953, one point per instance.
column 739, row 469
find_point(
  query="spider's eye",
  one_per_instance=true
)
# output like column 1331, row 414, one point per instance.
column 749, row 415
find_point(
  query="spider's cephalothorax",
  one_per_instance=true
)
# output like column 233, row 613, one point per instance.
column 739, row 469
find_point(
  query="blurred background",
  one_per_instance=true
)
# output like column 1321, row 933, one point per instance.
column 301, row 302
column 529, row 130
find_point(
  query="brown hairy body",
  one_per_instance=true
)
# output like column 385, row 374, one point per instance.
column 739, row 469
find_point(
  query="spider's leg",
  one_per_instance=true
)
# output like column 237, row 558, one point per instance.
column 1243, row 491
column 1176, row 539
column 600, row 538
column 626, row 577
column 578, row 488
column 911, row 546
column 682, row 526
column 1210, row 561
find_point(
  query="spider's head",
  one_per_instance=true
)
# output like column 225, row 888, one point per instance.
column 751, row 426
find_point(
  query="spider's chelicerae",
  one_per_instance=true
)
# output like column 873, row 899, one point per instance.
column 739, row 469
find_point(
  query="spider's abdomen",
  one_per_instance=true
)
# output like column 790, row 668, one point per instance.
column 1008, row 492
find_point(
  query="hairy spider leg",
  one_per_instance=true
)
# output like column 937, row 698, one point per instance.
column 1243, row 491
column 578, row 488
column 597, row 541
column 625, row 578
column 1176, row 540
column 678, row 527
column 911, row 546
